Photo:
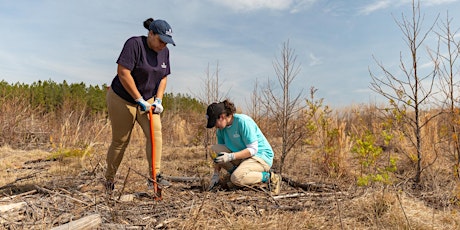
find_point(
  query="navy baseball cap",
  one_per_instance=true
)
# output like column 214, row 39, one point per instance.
column 163, row 29
column 213, row 112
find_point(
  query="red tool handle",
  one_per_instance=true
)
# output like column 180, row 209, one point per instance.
column 152, row 141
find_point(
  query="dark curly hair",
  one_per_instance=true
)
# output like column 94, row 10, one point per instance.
column 147, row 23
column 229, row 107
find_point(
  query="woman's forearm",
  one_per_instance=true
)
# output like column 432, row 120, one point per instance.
column 161, row 87
column 127, row 81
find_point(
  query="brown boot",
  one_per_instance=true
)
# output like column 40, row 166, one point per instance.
column 109, row 186
column 275, row 183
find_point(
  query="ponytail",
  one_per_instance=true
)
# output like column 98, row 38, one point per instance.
column 229, row 107
column 147, row 23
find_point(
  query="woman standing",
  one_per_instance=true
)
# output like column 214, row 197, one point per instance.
column 143, row 67
column 241, row 148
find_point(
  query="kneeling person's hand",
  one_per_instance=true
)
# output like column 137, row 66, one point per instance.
column 224, row 157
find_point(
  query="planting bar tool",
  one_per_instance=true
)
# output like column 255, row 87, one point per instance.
column 156, row 188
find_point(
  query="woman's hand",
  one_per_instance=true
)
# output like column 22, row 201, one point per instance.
column 224, row 157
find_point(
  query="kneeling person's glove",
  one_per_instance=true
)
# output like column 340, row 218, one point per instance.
column 158, row 108
column 224, row 157
column 144, row 105
column 214, row 180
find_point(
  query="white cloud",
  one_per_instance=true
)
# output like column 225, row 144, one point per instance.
column 314, row 60
column 302, row 5
column 293, row 6
column 250, row 5
column 384, row 4
column 368, row 9
column 438, row 2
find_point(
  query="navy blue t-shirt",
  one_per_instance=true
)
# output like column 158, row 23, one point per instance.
column 147, row 68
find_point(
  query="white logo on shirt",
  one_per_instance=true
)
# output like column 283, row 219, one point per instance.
column 163, row 65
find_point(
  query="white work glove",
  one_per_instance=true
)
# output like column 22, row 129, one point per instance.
column 214, row 180
column 143, row 105
column 158, row 108
column 224, row 157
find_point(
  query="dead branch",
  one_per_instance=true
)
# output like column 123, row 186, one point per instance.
column 288, row 208
column 297, row 195
column 183, row 179
column 56, row 193
column 39, row 160
column 311, row 186
column 84, row 195
column 9, row 185
column 18, row 195
column 124, row 183
column 165, row 223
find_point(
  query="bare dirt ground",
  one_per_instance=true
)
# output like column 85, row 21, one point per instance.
column 55, row 190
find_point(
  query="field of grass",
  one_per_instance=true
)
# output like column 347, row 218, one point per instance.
column 55, row 164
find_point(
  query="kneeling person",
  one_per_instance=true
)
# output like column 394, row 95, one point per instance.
column 241, row 148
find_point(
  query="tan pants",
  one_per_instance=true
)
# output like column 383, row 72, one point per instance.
column 123, row 115
column 248, row 171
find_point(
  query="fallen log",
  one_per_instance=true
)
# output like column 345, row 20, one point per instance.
column 10, row 212
column 311, row 186
column 87, row 222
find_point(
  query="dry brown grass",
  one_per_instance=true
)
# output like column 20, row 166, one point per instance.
column 188, row 206
column 71, row 167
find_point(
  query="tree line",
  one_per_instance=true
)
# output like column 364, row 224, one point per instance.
column 50, row 96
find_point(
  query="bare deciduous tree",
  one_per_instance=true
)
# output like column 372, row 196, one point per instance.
column 448, row 71
column 253, row 107
column 210, row 93
column 283, row 107
column 410, row 92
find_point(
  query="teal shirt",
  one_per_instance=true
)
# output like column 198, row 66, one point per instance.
column 242, row 132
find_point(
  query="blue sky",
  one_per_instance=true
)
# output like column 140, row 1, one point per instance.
column 334, row 41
